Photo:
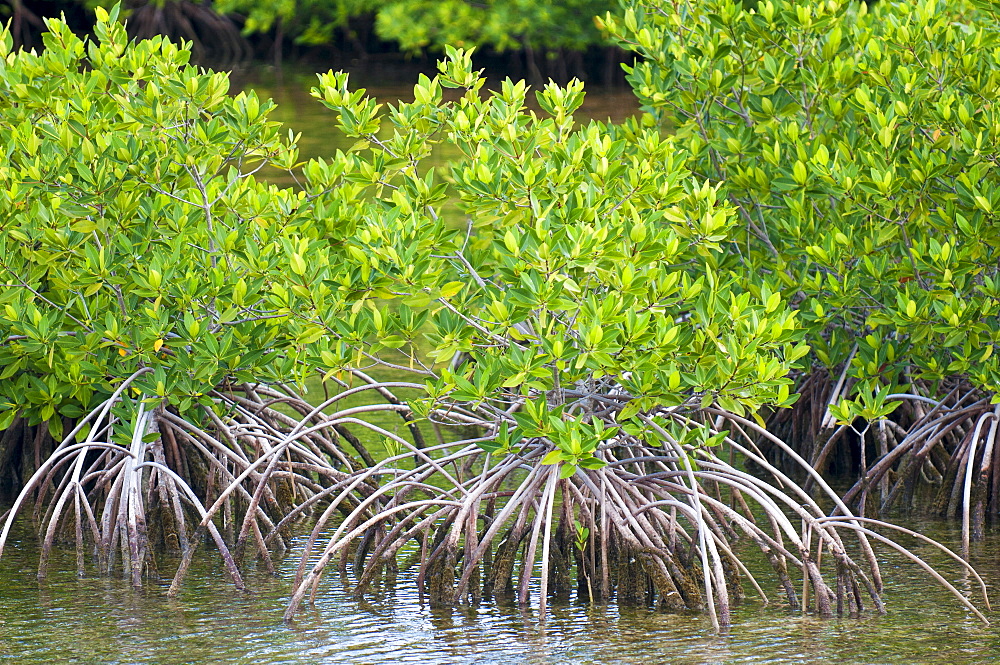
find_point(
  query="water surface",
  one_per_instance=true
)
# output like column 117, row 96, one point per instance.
column 97, row 619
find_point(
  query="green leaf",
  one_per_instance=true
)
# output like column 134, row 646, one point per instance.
column 593, row 463
column 451, row 289
column 55, row 426
column 553, row 457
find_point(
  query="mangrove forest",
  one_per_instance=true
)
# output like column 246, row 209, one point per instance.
column 722, row 353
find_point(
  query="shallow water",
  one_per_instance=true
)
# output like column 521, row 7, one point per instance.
column 104, row 620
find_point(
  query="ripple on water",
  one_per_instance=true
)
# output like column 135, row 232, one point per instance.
column 100, row 620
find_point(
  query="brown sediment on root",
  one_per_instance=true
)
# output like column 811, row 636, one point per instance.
column 498, row 579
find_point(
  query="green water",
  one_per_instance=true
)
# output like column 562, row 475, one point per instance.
column 103, row 620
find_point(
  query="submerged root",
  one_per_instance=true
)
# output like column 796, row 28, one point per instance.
column 134, row 480
column 936, row 455
column 658, row 519
column 657, row 526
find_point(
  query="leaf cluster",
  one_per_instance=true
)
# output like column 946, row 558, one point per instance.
column 135, row 233
column 420, row 24
column 859, row 146
column 590, row 273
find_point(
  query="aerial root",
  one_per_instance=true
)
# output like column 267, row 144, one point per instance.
column 656, row 526
column 134, row 480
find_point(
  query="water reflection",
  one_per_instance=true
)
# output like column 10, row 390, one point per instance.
column 104, row 620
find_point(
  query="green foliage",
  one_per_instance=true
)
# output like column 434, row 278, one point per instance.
column 134, row 232
column 309, row 21
column 420, row 24
column 589, row 282
column 581, row 534
column 501, row 24
column 415, row 25
column 859, row 147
